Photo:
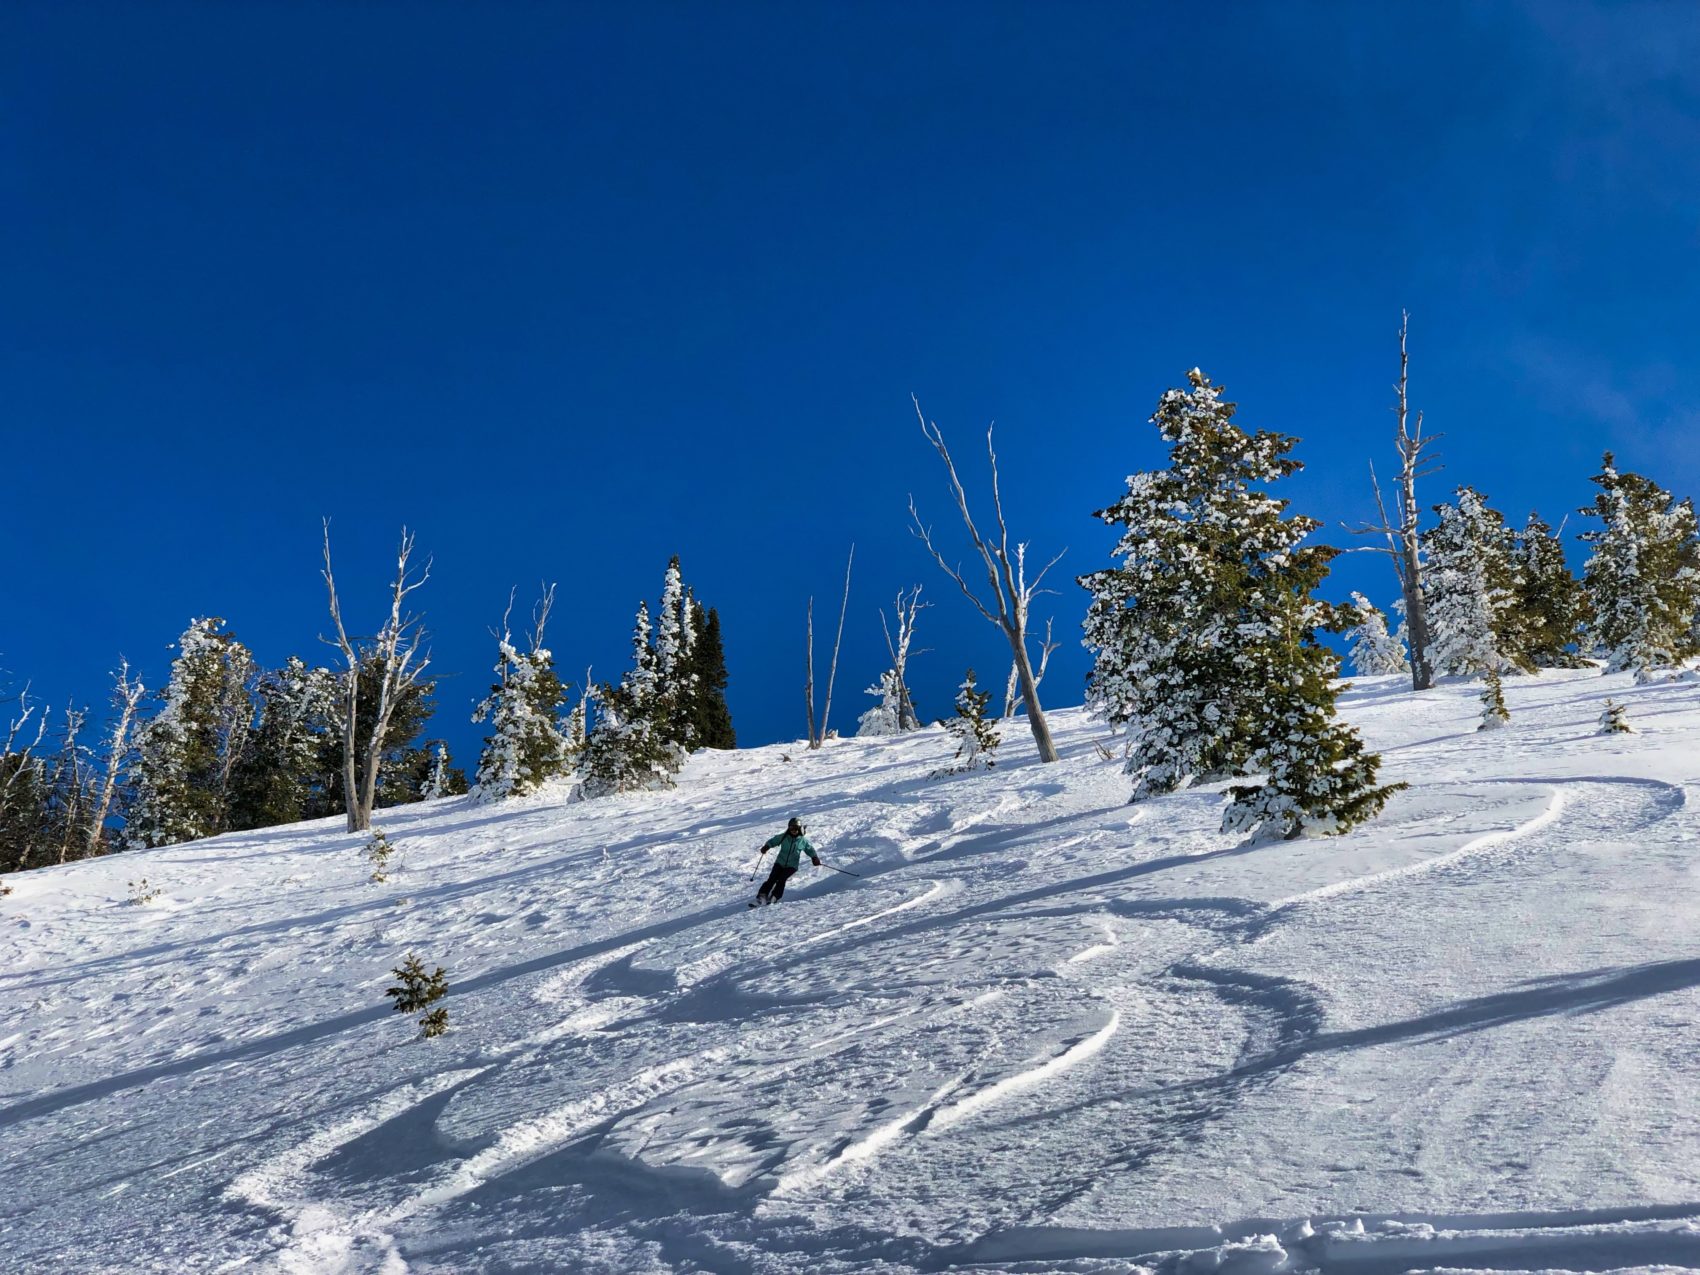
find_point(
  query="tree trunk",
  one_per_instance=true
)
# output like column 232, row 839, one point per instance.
column 358, row 818
column 1030, row 698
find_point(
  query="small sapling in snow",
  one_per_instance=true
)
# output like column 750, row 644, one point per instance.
column 976, row 736
column 142, row 893
column 416, row 990
column 1494, row 712
column 378, row 853
column 1613, row 720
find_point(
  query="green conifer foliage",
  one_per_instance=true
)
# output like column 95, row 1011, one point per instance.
column 1613, row 720
column 1643, row 578
column 187, row 754
column 1205, row 637
column 1550, row 607
column 976, row 735
column 1494, row 712
column 415, row 989
column 711, row 717
column 273, row 781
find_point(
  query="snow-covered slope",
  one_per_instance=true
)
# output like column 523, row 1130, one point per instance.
column 1043, row 1030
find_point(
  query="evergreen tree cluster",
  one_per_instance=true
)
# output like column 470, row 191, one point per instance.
column 223, row 746
column 671, row 701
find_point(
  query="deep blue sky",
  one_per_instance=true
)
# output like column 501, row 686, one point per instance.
column 571, row 288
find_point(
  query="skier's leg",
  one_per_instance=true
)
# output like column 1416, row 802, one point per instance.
column 780, row 877
column 774, row 881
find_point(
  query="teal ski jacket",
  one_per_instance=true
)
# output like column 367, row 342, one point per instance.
column 790, row 850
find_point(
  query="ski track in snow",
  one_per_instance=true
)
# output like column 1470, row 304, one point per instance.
column 1007, row 1006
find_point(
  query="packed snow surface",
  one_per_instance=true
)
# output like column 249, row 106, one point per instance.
column 1042, row 1030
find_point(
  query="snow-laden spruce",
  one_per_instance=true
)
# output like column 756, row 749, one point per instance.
column 1550, row 603
column 628, row 748
column 1205, row 637
column 185, row 753
column 1643, row 578
column 275, row 775
column 1468, row 582
column 526, row 746
column 1375, row 651
column 976, row 735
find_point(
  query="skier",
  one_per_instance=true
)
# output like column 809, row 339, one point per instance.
column 792, row 846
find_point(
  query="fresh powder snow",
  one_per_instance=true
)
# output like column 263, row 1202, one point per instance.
column 1042, row 1030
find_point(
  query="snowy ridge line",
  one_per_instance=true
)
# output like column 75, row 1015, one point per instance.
column 1555, row 808
column 1369, row 1244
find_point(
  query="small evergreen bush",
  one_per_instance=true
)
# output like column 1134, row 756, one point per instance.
column 142, row 893
column 1613, row 720
column 379, row 851
column 415, row 990
column 1494, row 712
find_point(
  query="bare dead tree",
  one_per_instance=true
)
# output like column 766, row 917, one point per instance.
column 126, row 695
column 70, row 784
column 1045, row 649
column 908, row 607
column 809, row 678
column 400, row 661
column 832, row 672
column 21, row 742
column 1006, row 575
column 1404, row 544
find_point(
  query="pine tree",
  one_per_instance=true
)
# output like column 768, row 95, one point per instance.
column 188, row 753
column 445, row 778
column 1205, row 638
column 415, row 989
column 675, row 672
column 273, row 780
column 1550, row 607
column 1494, row 712
column 405, row 761
column 629, row 746
column 1613, row 720
column 1374, row 650
column 975, row 733
column 526, row 747
column 1643, row 579
column 1469, row 585
column 711, row 716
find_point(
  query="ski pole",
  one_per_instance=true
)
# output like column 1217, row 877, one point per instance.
column 760, row 855
column 845, row 871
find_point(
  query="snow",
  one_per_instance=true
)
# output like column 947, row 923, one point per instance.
column 1042, row 1031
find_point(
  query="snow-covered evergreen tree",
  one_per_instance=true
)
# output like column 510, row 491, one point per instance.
column 1205, row 637
column 1643, row 578
column 884, row 718
column 976, row 734
column 187, row 753
column 1549, row 607
column 273, row 784
column 629, row 746
column 525, row 747
column 1469, row 585
column 436, row 784
column 1494, row 712
column 675, row 673
column 1374, row 650
column 1613, row 720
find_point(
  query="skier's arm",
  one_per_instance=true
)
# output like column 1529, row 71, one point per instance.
column 771, row 842
column 808, row 848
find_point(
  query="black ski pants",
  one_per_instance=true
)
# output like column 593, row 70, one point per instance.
column 773, row 889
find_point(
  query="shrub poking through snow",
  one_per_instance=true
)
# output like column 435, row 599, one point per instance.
column 976, row 736
column 379, row 852
column 415, row 990
column 1613, row 720
column 142, row 893
column 1494, row 712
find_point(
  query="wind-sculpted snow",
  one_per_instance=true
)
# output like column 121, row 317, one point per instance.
column 1042, row 1030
